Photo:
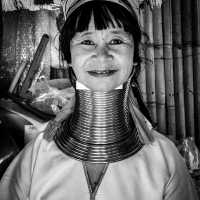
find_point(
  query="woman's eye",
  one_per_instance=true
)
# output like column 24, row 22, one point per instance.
column 116, row 41
column 87, row 42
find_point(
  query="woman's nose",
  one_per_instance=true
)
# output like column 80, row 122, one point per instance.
column 103, row 52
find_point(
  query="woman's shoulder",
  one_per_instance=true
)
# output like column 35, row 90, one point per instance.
column 37, row 151
column 168, row 150
column 163, row 141
column 33, row 146
column 29, row 153
column 44, row 141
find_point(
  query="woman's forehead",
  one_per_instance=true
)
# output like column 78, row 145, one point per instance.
column 114, row 31
column 112, row 25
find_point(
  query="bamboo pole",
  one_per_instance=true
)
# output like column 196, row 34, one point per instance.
column 150, row 68
column 15, row 81
column 159, row 69
column 178, row 69
column 168, row 63
column 188, row 66
column 54, row 34
column 196, row 59
column 142, row 75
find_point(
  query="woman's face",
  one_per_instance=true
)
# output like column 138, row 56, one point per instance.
column 102, row 59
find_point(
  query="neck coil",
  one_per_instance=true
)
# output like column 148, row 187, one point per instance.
column 100, row 129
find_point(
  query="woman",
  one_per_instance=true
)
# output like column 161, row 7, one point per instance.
column 106, row 149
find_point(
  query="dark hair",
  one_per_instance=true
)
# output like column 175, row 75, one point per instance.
column 105, row 14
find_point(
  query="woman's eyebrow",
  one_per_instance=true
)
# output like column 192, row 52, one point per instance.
column 86, row 33
column 121, row 32
column 81, row 35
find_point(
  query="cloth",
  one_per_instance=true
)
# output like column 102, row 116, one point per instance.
column 42, row 171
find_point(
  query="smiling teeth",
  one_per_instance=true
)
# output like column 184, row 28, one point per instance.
column 102, row 71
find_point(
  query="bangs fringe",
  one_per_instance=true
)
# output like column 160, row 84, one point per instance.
column 105, row 16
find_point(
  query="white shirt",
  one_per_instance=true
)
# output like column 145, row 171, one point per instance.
column 42, row 172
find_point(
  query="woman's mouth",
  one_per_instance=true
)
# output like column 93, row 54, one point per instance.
column 102, row 73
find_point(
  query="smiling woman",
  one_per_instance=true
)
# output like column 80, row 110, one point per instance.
column 102, row 59
column 106, row 147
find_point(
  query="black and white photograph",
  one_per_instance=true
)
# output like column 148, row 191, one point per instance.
column 100, row 100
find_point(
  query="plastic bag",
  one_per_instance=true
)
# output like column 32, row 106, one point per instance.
column 190, row 153
column 50, row 99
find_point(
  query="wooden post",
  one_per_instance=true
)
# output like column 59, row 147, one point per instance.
column 150, row 68
column 168, row 63
column 54, row 34
column 196, row 59
column 188, row 65
column 142, row 75
column 178, row 69
column 159, row 69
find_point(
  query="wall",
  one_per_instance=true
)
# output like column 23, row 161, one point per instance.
column 22, row 32
column 170, row 72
